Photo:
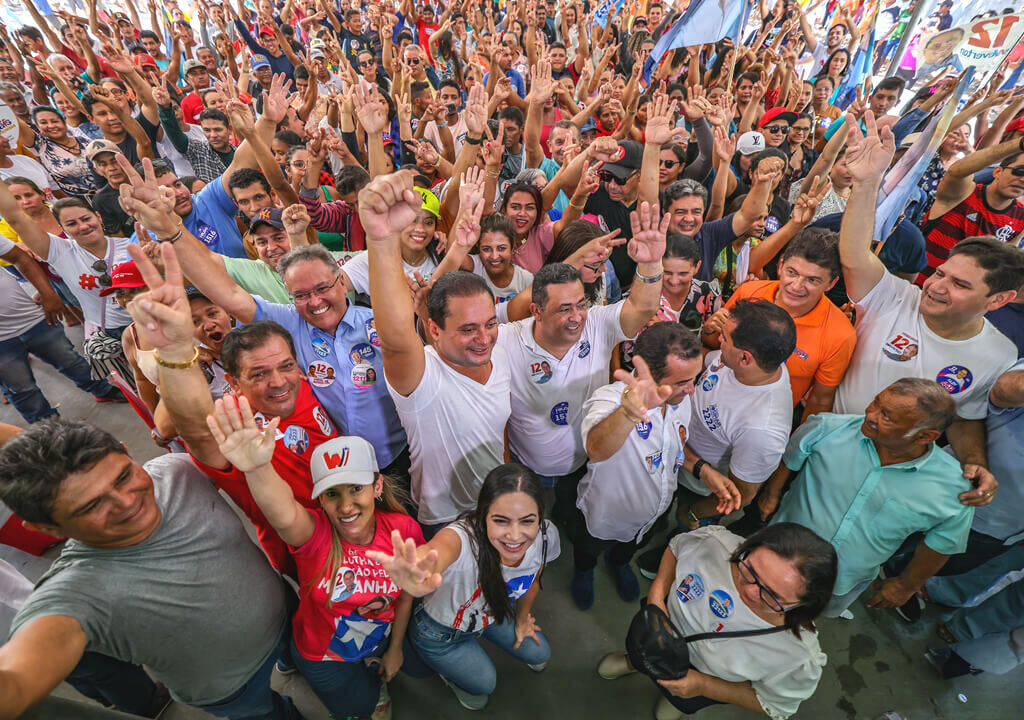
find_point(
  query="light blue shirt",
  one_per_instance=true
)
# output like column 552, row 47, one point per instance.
column 866, row 511
column 346, row 373
column 212, row 220
column 550, row 168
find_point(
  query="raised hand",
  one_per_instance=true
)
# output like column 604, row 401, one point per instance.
column 147, row 202
column 471, row 183
column 692, row 108
column 868, row 156
column 768, row 170
column 414, row 576
column 161, row 95
column 242, row 121
column 475, row 113
column 649, row 228
column 642, row 393
column 543, row 86
column 370, row 108
column 587, row 186
column 725, row 144
column 295, row 219
column 117, row 59
column 163, row 317
column 660, row 112
column 596, row 252
column 807, row 203
column 238, row 437
column 275, row 100
column 387, row 205
column 467, row 225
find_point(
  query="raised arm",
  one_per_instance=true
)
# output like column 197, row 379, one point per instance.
column 35, row 238
column 144, row 146
column 768, row 170
column 36, row 660
column 646, row 249
column 867, row 158
column 386, row 206
column 540, row 93
column 658, row 132
column 44, row 26
column 958, row 182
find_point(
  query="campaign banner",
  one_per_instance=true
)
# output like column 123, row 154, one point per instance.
column 982, row 44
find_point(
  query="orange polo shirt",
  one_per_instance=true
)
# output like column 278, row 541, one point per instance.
column 824, row 339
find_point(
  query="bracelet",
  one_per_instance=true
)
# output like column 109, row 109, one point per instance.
column 491, row 174
column 577, row 207
column 173, row 238
column 442, row 126
column 697, row 467
column 176, row 365
column 472, row 140
column 649, row 280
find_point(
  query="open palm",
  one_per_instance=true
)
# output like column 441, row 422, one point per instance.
column 239, row 439
column 868, row 155
column 414, row 576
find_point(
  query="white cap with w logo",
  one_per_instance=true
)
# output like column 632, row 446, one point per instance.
column 346, row 460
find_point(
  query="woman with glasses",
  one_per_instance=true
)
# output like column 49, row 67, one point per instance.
column 801, row 154
column 710, row 579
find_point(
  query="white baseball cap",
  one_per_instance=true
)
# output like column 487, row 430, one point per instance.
column 346, row 460
column 750, row 143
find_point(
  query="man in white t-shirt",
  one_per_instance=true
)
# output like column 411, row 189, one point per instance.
column 452, row 396
column 635, row 431
column 559, row 356
column 449, row 98
column 937, row 331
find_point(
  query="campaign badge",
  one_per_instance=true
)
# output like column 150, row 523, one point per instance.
column 321, row 346
column 954, row 378
column 721, row 603
column 296, row 439
column 364, row 376
column 560, row 414
column 584, row 349
column 540, row 372
column 371, row 333
column 321, row 374
column 691, row 587
column 901, row 347
column 643, row 429
column 363, row 352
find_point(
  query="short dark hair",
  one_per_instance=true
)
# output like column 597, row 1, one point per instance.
column 764, row 330
column 418, row 89
column 349, row 14
column 686, row 187
column 214, row 114
column 249, row 337
column 35, row 462
column 449, row 83
column 512, row 113
column 683, row 247
column 89, row 102
column 1003, row 263
column 818, row 246
column 160, row 167
column 496, row 222
column 556, row 44
column 552, row 274
column 245, row 177
column 663, row 340
column 892, row 83
column 288, row 137
column 30, row 32
column 36, row 111
column 753, row 77
column 148, row 34
column 351, row 178
column 815, row 559
column 937, row 408
column 301, row 72
column 459, row 283
column 1010, row 160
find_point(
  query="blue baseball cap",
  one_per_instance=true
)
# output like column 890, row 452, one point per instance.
column 259, row 61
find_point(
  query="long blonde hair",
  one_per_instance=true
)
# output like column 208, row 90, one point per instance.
column 389, row 501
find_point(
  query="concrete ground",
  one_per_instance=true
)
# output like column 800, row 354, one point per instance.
column 875, row 661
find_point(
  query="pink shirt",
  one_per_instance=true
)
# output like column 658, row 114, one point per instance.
column 539, row 242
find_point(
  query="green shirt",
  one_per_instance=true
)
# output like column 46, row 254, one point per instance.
column 865, row 510
column 257, row 278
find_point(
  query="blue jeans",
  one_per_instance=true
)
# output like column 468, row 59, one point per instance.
column 255, row 700
column 347, row 689
column 458, row 656
column 47, row 342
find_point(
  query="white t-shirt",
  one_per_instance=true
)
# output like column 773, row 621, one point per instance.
column 456, row 431
column 742, row 429
column 28, row 168
column 182, row 165
column 890, row 327
column 460, row 604
column 75, row 266
column 458, row 131
column 521, row 279
column 622, row 496
column 784, row 669
column 358, row 271
column 17, row 311
column 548, row 393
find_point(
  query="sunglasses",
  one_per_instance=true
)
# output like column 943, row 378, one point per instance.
column 1017, row 171
column 100, row 266
column 784, row 129
column 370, row 63
column 413, row 61
column 606, row 177
column 668, row 164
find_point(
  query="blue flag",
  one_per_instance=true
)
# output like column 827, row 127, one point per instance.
column 605, row 13
column 703, row 21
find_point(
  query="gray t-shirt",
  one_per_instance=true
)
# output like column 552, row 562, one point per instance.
column 196, row 602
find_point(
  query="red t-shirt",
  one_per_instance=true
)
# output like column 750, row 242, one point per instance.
column 359, row 617
column 423, row 32
column 297, row 435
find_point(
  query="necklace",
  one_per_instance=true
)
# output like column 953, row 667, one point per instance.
column 520, row 244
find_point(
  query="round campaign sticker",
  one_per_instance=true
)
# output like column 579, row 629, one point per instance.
column 296, row 439
column 321, row 346
column 771, row 224
column 584, row 349
column 363, row 352
column 709, row 382
column 371, row 332
column 691, row 587
column 540, row 372
column 721, row 603
column 954, row 378
column 559, row 414
column 321, row 374
column 364, row 376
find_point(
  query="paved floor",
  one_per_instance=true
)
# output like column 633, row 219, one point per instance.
column 875, row 662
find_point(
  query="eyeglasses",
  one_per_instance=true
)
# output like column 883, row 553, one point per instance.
column 100, row 266
column 371, row 63
column 1017, row 171
column 596, row 268
column 799, row 129
column 606, row 177
column 668, row 164
column 778, row 129
column 304, row 297
column 300, row 164
column 769, row 598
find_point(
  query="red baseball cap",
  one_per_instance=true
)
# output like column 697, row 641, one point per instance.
column 265, row 30
column 126, row 276
column 1016, row 126
column 777, row 113
column 145, row 59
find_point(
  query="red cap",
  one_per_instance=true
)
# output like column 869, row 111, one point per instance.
column 1016, row 126
column 126, row 276
column 776, row 113
column 265, row 30
column 145, row 59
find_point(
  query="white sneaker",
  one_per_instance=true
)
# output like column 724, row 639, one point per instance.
column 846, row 615
column 665, row 710
column 539, row 667
column 614, row 666
column 383, row 709
column 470, row 702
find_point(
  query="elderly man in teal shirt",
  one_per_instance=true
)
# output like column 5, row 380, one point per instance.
column 868, row 482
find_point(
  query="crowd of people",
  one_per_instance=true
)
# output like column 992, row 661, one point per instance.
column 430, row 289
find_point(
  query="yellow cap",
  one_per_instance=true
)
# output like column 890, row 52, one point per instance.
column 430, row 202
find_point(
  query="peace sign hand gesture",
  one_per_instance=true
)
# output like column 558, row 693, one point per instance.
column 162, row 315
column 413, row 575
column 642, row 393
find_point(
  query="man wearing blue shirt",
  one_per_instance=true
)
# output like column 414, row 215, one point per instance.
column 505, row 65
column 336, row 342
column 867, row 482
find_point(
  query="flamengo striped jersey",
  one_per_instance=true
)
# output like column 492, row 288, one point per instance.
column 972, row 217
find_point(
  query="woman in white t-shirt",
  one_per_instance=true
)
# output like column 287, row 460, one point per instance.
column 479, row 577
column 711, row 580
